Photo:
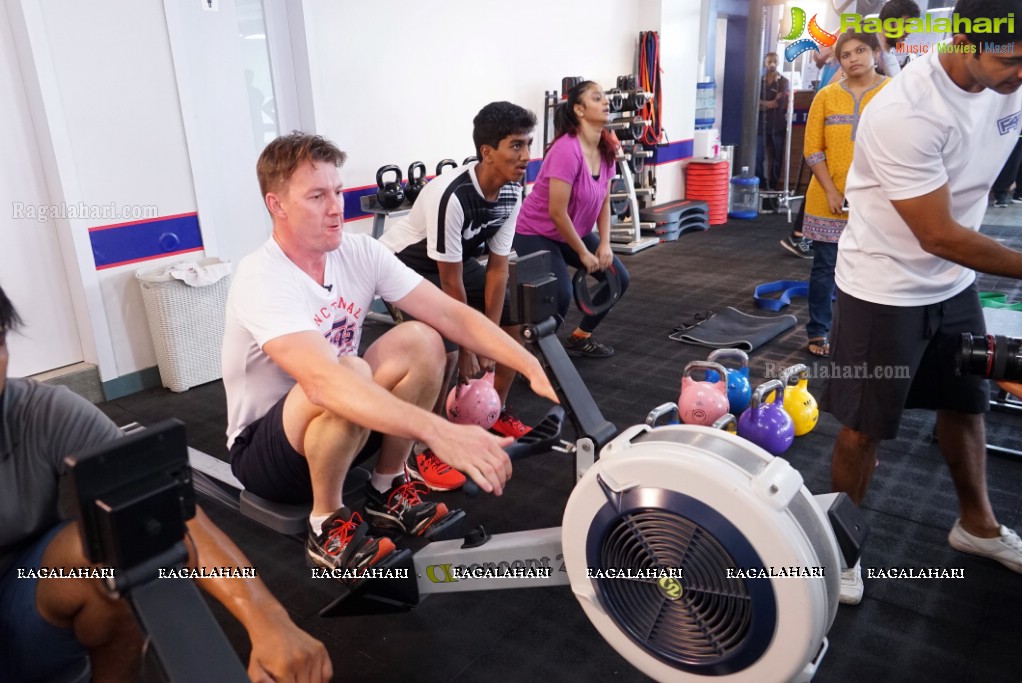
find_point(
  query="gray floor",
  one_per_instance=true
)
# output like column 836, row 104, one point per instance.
column 904, row 630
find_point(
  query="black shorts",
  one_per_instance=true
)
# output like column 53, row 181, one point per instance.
column 885, row 359
column 473, row 275
column 265, row 462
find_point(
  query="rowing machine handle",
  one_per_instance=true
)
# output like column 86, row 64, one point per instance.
column 540, row 439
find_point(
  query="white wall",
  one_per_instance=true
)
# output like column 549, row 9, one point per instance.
column 115, row 109
column 107, row 107
column 407, row 89
column 680, row 24
column 37, row 286
column 208, row 78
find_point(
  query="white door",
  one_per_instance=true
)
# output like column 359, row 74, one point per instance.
column 32, row 271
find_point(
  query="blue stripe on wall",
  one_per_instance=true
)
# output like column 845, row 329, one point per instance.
column 533, row 171
column 675, row 151
column 353, row 202
column 143, row 240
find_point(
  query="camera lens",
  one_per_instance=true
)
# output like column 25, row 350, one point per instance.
column 994, row 356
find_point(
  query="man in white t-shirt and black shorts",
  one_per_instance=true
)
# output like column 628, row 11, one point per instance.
column 926, row 152
column 301, row 404
column 457, row 218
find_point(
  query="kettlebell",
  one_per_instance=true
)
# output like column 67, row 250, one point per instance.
column 728, row 423
column 445, row 163
column 702, row 403
column 739, row 390
column 664, row 410
column 766, row 424
column 474, row 402
column 416, row 181
column 469, row 160
column 389, row 195
column 798, row 402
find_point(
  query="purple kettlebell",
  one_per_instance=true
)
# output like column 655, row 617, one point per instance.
column 767, row 424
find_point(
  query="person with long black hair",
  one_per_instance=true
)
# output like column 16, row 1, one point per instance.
column 568, row 210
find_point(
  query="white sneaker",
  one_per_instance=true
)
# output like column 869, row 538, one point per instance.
column 851, row 585
column 1006, row 548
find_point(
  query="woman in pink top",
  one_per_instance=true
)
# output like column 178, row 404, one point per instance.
column 571, row 197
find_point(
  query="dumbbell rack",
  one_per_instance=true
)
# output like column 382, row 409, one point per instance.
column 378, row 311
column 370, row 205
column 626, row 231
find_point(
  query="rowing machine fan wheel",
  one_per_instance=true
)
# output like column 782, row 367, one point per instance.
column 704, row 502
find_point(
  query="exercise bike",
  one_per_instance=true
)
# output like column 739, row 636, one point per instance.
column 692, row 551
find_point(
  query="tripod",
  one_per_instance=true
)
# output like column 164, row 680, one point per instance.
column 787, row 196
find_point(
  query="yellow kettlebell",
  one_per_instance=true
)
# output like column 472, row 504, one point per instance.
column 798, row 402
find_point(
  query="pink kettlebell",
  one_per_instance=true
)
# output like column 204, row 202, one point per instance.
column 703, row 403
column 474, row 402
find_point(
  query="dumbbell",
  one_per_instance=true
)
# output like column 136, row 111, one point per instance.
column 628, row 129
column 616, row 99
column 618, row 204
column 639, row 154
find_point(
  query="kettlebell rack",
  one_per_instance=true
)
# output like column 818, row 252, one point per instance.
column 395, row 198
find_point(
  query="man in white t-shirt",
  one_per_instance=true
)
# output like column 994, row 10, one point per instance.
column 926, row 152
column 301, row 403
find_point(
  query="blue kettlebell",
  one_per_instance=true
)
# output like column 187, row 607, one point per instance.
column 739, row 390
column 766, row 424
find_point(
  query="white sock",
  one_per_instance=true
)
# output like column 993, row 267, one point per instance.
column 316, row 522
column 383, row 482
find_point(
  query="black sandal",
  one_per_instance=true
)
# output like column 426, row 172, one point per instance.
column 821, row 346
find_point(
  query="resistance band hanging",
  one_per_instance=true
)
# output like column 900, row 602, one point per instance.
column 649, row 81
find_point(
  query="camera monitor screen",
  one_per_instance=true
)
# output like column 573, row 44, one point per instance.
column 133, row 495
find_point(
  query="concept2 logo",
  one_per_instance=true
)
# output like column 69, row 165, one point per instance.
column 819, row 37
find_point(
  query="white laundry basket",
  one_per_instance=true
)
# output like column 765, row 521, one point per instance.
column 186, row 322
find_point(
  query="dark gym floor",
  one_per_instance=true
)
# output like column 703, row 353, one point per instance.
column 904, row 630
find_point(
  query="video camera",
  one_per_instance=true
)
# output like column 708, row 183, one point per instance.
column 992, row 356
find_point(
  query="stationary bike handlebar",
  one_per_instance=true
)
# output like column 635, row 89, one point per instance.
column 540, row 439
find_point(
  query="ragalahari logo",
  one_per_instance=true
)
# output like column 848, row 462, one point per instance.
column 818, row 37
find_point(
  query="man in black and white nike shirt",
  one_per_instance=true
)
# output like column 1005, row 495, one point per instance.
column 457, row 218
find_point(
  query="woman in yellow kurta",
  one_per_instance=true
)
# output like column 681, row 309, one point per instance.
column 830, row 139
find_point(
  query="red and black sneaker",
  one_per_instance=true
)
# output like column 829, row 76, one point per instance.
column 435, row 473
column 401, row 509
column 508, row 424
column 345, row 543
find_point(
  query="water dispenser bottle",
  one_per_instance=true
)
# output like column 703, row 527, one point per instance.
column 744, row 199
column 706, row 104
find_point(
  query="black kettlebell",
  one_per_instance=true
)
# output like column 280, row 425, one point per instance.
column 416, row 181
column 469, row 160
column 444, row 164
column 389, row 195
